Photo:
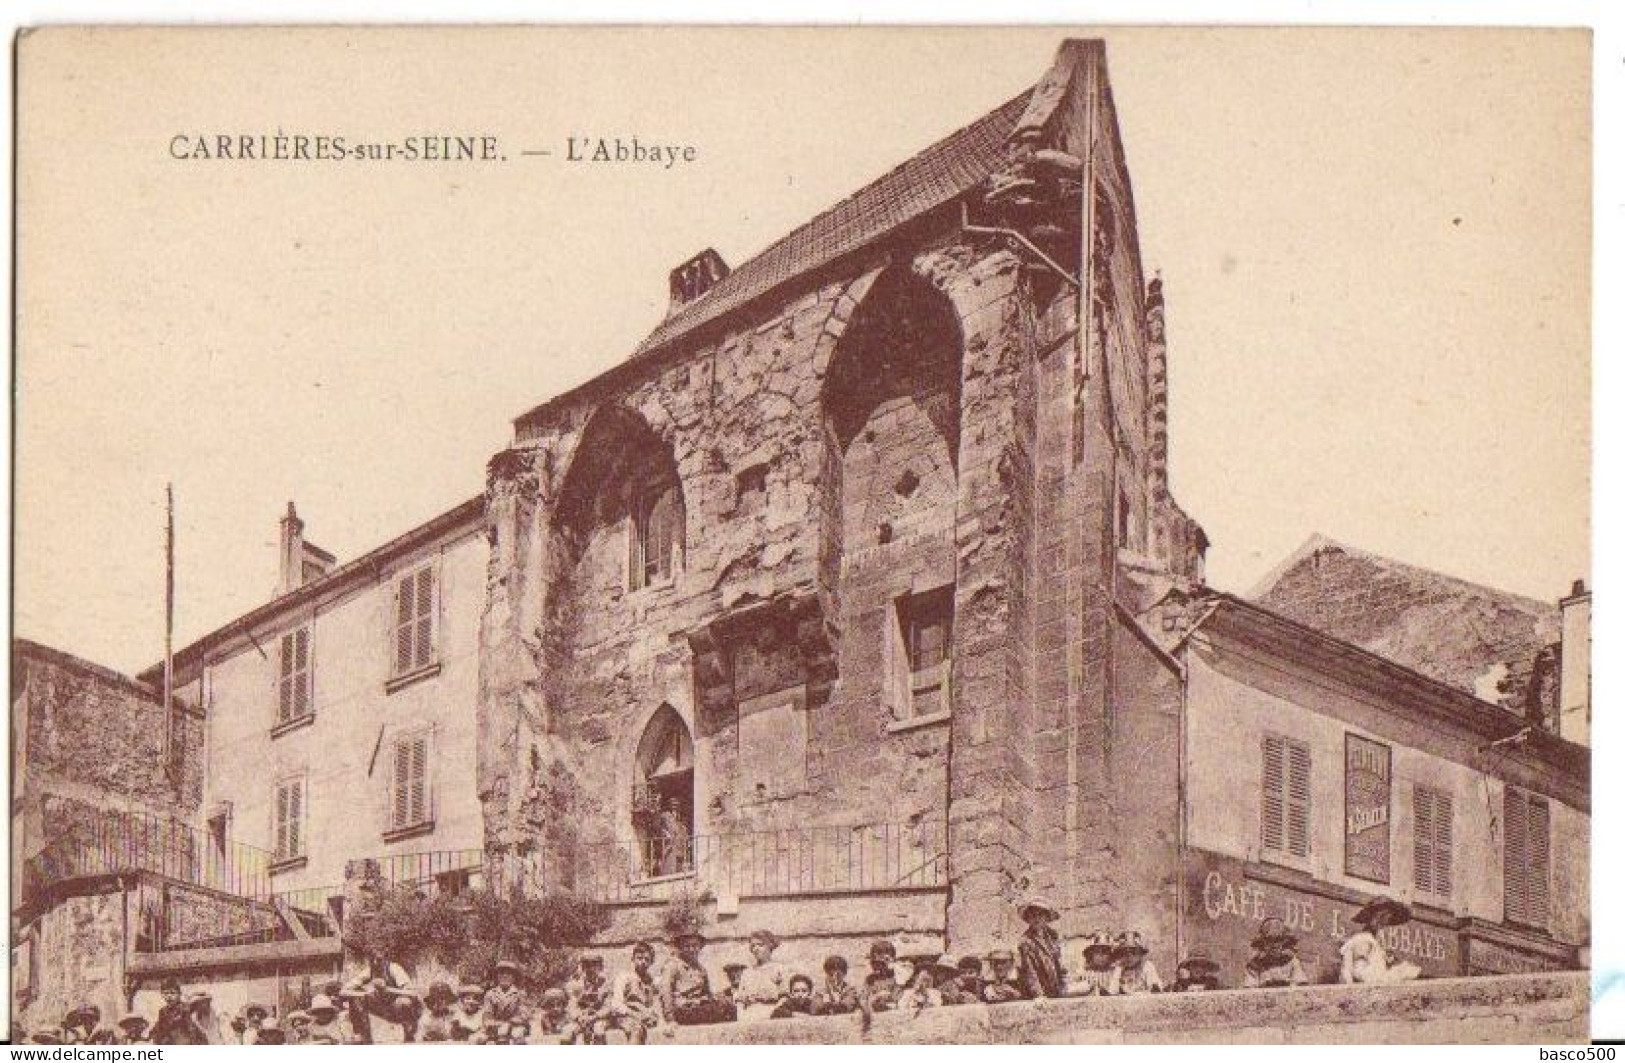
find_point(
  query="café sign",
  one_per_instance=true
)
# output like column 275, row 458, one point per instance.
column 1367, row 798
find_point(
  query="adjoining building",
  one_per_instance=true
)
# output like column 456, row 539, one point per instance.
column 856, row 599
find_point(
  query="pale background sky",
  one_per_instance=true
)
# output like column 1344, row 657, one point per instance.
column 1375, row 246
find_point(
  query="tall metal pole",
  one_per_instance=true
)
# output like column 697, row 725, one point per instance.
column 169, row 629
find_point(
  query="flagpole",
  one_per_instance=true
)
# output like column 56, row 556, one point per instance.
column 169, row 629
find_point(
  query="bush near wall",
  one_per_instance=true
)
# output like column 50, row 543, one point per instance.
column 470, row 932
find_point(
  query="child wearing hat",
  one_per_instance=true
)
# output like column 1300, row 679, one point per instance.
column 922, row 991
column 326, row 1028
column 1274, row 962
column 1197, row 973
column 437, row 1018
column 1136, row 973
column 836, row 996
column 880, row 988
column 298, row 1024
column 1001, row 987
column 176, row 1024
column 964, row 986
column 733, row 972
column 1040, row 951
column 132, row 1030
column 685, row 988
column 503, row 1000
column 1099, row 976
column 1365, row 959
column 764, row 983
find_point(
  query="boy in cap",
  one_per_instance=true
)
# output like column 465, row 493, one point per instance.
column 685, row 988
column 502, row 1001
column 965, row 987
column 1365, row 958
column 836, row 996
column 634, row 1000
column 132, row 1030
column 253, row 1018
column 1001, row 987
column 1040, row 951
column 1274, row 961
column 1099, row 975
column 588, row 991
column 1198, row 973
column 1136, row 973
column 89, row 1021
column 763, row 985
column 176, row 1023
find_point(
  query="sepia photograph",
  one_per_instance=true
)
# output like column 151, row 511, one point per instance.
column 824, row 535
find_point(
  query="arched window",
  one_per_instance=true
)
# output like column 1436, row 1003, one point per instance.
column 663, row 796
column 657, row 535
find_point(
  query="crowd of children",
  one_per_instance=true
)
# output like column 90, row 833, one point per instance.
column 591, row 1008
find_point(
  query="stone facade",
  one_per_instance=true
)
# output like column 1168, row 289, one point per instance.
column 924, row 417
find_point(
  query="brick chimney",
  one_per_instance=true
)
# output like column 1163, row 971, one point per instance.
column 1574, row 669
column 694, row 278
column 300, row 561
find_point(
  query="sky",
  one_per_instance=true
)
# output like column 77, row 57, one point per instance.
column 1374, row 244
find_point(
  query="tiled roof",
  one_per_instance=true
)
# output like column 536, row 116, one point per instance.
column 937, row 175
column 1475, row 638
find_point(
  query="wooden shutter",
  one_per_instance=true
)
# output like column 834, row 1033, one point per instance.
column 1297, row 800
column 1538, row 849
column 293, row 696
column 1274, row 795
column 289, row 814
column 898, row 690
column 1285, row 801
column 425, row 617
column 409, row 798
column 405, row 603
column 1434, row 839
column 1444, row 815
column 1525, row 899
column 415, row 620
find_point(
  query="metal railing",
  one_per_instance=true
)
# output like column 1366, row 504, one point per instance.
column 178, row 918
column 449, row 869
column 810, row 860
column 118, row 842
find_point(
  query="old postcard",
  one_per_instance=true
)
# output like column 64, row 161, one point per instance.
column 732, row 535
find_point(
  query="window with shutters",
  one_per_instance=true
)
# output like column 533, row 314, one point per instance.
column 1526, row 826
column 656, row 539
column 288, row 821
column 1285, row 800
column 1433, row 814
column 413, row 648
column 294, row 688
column 411, row 801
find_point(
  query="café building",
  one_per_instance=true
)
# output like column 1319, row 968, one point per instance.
column 1317, row 774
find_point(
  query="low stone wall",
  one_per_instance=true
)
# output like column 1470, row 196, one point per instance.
column 1509, row 1009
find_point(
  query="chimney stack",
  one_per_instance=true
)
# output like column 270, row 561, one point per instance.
column 1574, row 670
column 694, row 278
column 300, row 561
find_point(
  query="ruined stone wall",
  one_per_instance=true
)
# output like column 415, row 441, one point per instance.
column 89, row 746
column 77, row 957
